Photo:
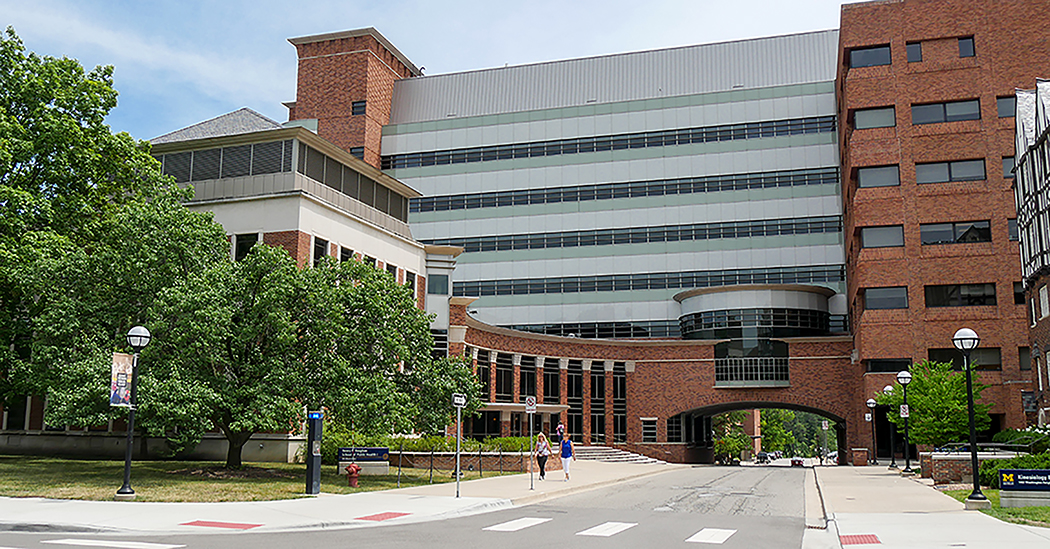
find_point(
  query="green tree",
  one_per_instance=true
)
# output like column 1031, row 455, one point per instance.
column 775, row 434
column 937, row 404
column 730, row 438
column 90, row 231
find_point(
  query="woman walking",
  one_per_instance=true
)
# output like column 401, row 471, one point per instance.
column 567, row 451
column 543, row 451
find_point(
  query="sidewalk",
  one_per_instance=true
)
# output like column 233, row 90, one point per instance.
column 876, row 507
column 417, row 504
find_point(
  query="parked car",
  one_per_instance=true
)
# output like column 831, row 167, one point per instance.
column 762, row 457
column 797, row 462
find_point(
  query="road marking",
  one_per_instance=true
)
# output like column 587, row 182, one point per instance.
column 213, row 524
column 859, row 539
column 607, row 529
column 711, row 535
column 516, row 524
column 383, row 516
column 114, row 544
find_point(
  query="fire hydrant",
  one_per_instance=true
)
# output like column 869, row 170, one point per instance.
column 353, row 471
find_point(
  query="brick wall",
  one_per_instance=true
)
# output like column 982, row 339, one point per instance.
column 1010, row 49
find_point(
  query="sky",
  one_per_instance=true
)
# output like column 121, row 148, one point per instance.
column 177, row 63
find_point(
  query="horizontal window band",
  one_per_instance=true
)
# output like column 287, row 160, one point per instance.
column 640, row 235
column 628, row 189
column 640, row 140
column 815, row 274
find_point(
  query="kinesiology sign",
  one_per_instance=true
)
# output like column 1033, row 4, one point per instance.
column 1024, row 479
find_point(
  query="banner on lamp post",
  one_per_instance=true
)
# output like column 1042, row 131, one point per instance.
column 120, row 380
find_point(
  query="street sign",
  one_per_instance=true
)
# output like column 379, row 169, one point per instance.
column 904, row 410
column 824, row 425
column 867, row 417
column 530, row 405
column 459, row 400
column 315, row 415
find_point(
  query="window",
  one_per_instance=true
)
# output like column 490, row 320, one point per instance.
column 242, row 244
column 956, row 233
column 882, row 117
column 392, row 269
column 1006, row 106
column 674, row 428
column 504, row 377
column 869, row 57
column 345, row 254
column 884, row 365
column 320, row 250
column 410, row 281
column 882, row 237
column 527, row 376
column 1011, row 229
column 1044, row 302
column 960, row 295
column 648, row 430
column 369, row 260
column 551, row 381
column 886, row 298
column 878, row 176
column 358, row 152
column 1018, row 293
column 952, row 111
column 1024, row 358
column 357, row 108
column 1008, row 167
column 943, row 172
column 966, row 48
column 438, row 284
column 914, row 50
column 982, row 358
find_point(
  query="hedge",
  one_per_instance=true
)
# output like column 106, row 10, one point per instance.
column 989, row 470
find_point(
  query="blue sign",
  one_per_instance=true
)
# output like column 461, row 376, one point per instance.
column 1024, row 479
column 364, row 454
column 314, row 415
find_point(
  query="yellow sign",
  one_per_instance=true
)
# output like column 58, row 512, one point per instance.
column 1008, row 477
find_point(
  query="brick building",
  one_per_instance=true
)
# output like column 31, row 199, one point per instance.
column 926, row 111
column 653, row 238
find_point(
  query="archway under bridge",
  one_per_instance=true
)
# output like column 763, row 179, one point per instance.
column 698, row 436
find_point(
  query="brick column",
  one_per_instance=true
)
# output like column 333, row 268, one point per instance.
column 515, row 378
column 563, row 388
column 586, row 402
column 609, row 402
column 492, row 376
column 540, row 360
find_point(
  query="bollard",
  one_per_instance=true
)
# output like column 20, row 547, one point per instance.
column 500, row 447
column 479, row 462
column 432, row 464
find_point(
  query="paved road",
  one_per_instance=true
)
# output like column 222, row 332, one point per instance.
column 738, row 507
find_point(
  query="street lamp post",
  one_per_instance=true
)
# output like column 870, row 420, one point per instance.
column 893, row 427
column 966, row 340
column 138, row 338
column 871, row 413
column 904, row 378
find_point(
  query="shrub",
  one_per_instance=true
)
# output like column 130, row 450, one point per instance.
column 1035, row 439
column 990, row 468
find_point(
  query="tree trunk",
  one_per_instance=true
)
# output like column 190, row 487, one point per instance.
column 233, row 454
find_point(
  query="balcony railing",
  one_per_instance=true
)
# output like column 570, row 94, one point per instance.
column 751, row 372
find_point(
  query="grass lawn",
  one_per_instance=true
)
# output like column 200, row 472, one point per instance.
column 203, row 481
column 1035, row 516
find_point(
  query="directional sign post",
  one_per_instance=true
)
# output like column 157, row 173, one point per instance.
column 459, row 401
column 530, row 409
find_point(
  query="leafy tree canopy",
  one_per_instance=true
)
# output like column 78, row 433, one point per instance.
column 937, row 404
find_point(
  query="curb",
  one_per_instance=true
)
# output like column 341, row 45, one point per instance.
column 823, row 520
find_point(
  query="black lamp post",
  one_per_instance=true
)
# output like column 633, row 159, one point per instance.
column 893, row 427
column 871, row 414
column 966, row 340
column 904, row 378
column 138, row 338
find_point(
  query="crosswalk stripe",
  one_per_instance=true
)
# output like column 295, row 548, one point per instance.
column 516, row 524
column 607, row 529
column 711, row 535
column 113, row 544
